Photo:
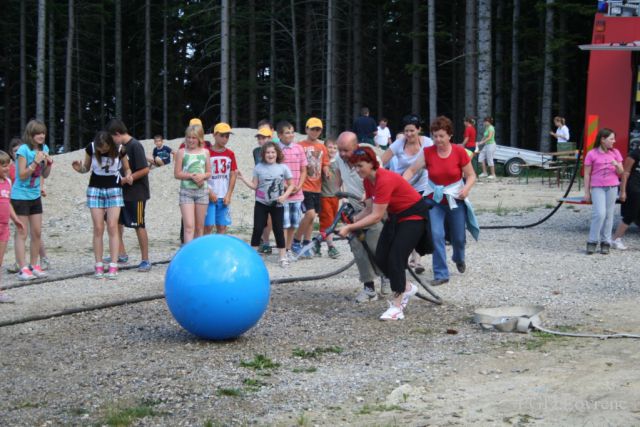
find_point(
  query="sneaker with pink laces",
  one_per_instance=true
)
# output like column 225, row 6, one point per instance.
column 99, row 274
column 408, row 295
column 393, row 313
column 112, row 274
column 37, row 271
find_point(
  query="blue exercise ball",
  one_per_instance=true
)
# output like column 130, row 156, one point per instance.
column 217, row 287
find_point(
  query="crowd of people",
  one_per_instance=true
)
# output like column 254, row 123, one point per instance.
column 410, row 198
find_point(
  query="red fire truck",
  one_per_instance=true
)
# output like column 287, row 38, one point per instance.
column 613, row 84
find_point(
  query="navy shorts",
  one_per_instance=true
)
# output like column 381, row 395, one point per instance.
column 132, row 214
column 311, row 201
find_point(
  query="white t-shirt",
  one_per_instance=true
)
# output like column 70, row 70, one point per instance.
column 563, row 133
column 382, row 137
column 402, row 162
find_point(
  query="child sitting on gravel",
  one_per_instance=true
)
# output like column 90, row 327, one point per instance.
column 272, row 183
column 6, row 212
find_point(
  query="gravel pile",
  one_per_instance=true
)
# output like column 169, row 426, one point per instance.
column 316, row 357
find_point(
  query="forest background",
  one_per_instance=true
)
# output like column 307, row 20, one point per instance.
column 74, row 64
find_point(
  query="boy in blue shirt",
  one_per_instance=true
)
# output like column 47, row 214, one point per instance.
column 161, row 153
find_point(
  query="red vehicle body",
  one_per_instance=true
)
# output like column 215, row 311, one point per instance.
column 613, row 84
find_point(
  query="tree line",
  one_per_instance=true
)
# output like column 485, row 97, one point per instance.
column 75, row 64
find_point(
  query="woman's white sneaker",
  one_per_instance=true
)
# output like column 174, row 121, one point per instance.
column 618, row 244
column 392, row 313
column 408, row 295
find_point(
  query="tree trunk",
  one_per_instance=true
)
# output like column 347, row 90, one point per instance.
column 380, row 61
column 233, row 60
column 79, row 106
column 118, row 58
column 547, row 83
column 296, row 68
column 515, row 80
column 68, row 78
column 103, row 68
column 485, row 74
column 165, row 72
column 23, row 66
column 331, row 123
column 272, row 65
column 308, row 56
column 357, row 57
column 40, row 59
column 561, row 66
column 431, row 58
column 498, row 94
column 147, row 69
column 224, row 61
column 415, row 57
column 51, row 128
column 253, row 92
column 470, row 59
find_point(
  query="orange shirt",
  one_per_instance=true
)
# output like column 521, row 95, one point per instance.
column 317, row 158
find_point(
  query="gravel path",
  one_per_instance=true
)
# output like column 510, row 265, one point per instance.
column 335, row 363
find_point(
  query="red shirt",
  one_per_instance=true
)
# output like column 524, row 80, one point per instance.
column 445, row 171
column 393, row 190
column 470, row 132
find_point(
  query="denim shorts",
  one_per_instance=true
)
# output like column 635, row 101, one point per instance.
column 292, row 215
column 198, row 196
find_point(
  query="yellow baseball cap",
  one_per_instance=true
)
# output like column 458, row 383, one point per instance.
column 195, row 122
column 314, row 122
column 264, row 131
column 222, row 128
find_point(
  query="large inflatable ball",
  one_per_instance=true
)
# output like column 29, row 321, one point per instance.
column 217, row 287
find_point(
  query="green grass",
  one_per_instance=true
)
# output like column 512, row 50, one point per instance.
column 540, row 339
column 26, row 405
column 316, row 352
column 253, row 385
column 308, row 370
column 259, row 362
column 122, row 417
column 233, row 392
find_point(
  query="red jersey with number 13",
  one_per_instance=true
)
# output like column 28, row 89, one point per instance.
column 222, row 164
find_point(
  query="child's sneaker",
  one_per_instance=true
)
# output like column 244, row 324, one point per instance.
column 392, row 313
column 296, row 247
column 45, row 263
column 4, row 298
column 333, row 252
column 99, row 271
column 122, row 259
column 13, row 268
column 366, row 295
column 265, row 249
column 37, row 271
column 317, row 249
column 26, row 274
column 618, row 244
column 112, row 274
column 144, row 266
column 291, row 256
column 284, row 262
column 483, row 175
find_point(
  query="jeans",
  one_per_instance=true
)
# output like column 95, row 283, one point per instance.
column 456, row 219
column 603, row 201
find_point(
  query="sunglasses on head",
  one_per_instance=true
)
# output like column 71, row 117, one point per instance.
column 360, row 152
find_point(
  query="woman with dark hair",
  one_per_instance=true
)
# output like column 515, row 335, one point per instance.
column 469, row 141
column 447, row 194
column 488, row 147
column 602, row 171
column 404, row 152
column 406, row 228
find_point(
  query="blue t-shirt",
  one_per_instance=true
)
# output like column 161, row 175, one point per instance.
column 164, row 153
column 28, row 189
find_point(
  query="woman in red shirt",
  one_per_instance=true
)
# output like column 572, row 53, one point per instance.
column 447, row 164
column 469, row 141
column 406, row 228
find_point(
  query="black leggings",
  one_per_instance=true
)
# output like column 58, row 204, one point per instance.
column 260, row 215
column 393, row 252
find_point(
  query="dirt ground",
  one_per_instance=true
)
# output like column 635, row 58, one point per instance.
column 337, row 364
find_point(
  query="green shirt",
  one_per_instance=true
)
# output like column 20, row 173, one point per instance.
column 489, row 129
column 193, row 163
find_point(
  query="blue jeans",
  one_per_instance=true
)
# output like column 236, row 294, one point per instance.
column 603, row 202
column 456, row 220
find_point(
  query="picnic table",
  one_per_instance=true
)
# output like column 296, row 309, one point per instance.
column 559, row 167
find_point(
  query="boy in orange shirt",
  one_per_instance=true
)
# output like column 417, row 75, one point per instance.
column 317, row 164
